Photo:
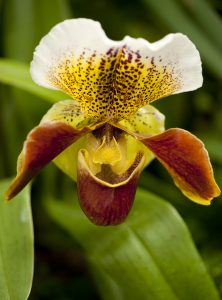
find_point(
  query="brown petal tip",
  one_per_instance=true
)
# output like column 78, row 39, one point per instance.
column 107, row 203
column 42, row 145
column 187, row 160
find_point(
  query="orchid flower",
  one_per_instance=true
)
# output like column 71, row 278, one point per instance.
column 108, row 132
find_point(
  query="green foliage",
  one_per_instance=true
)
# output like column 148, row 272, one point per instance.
column 17, row 74
column 16, row 246
column 150, row 256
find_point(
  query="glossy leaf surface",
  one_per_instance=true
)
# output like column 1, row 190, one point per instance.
column 150, row 256
column 16, row 246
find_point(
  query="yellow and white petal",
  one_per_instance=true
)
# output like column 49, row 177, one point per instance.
column 148, row 71
column 78, row 58
column 113, row 79
column 70, row 37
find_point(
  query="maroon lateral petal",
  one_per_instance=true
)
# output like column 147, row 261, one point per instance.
column 102, row 203
column 42, row 145
column 187, row 160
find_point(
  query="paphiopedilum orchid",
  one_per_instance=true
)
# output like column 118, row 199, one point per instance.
column 112, row 84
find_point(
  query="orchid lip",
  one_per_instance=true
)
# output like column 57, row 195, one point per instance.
column 103, row 202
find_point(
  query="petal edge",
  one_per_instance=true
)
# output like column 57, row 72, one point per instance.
column 186, row 159
column 43, row 144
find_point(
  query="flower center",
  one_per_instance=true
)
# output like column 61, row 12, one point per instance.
column 107, row 149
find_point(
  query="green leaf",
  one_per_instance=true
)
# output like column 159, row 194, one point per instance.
column 18, row 37
column 17, row 74
column 150, row 256
column 26, row 24
column 16, row 246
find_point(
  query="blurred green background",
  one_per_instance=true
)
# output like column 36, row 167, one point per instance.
column 60, row 267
